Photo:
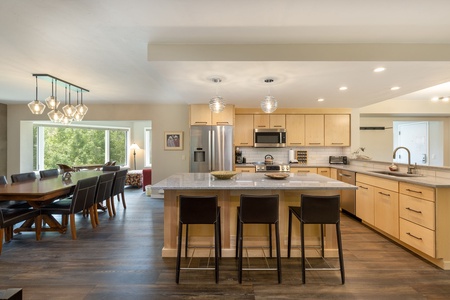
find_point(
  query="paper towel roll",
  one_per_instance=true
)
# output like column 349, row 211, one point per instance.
column 292, row 156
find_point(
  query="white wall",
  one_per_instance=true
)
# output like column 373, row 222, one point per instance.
column 163, row 118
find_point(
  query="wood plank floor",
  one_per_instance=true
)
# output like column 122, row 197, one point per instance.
column 121, row 259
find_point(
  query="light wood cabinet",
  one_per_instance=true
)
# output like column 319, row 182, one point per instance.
column 295, row 130
column 200, row 114
column 269, row 121
column 324, row 172
column 243, row 132
column 386, row 211
column 245, row 169
column 314, row 130
column 365, row 206
column 337, row 130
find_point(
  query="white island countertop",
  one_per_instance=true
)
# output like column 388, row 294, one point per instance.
column 250, row 181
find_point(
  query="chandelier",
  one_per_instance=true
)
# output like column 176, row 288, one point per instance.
column 269, row 104
column 216, row 104
column 69, row 112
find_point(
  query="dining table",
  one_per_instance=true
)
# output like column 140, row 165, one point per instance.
column 43, row 191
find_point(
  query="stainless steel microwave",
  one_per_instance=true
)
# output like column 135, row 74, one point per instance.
column 270, row 138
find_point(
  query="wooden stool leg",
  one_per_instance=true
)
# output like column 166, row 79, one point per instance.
column 302, row 232
column 341, row 255
column 289, row 234
column 277, row 237
column 180, row 233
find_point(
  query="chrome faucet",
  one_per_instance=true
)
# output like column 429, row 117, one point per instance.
column 410, row 168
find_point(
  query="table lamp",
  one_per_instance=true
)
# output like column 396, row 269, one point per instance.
column 134, row 147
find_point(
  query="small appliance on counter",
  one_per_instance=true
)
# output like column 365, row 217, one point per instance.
column 342, row 160
column 238, row 154
column 268, row 159
column 292, row 159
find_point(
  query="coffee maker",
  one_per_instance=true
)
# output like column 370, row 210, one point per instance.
column 238, row 156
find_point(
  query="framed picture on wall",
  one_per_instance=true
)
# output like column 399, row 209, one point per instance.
column 173, row 140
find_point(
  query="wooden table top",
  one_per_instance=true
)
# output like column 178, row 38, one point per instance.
column 43, row 189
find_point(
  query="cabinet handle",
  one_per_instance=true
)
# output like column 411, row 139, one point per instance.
column 413, row 210
column 296, row 143
column 261, row 126
column 303, row 171
column 363, row 187
column 201, row 122
column 345, row 175
column 243, row 144
column 279, row 126
column 412, row 235
column 222, row 123
column 314, row 143
column 413, row 191
column 245, row 171
column 337, row 143
column 384, row 194
column 324, row 171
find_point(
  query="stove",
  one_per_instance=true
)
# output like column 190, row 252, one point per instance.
column 274, row 167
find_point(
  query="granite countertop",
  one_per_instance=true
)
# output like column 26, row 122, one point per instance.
column 250, row 181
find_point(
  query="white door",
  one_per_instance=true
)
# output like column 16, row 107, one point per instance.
column 413, row 136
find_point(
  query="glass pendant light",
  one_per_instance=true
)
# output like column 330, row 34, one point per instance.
column 69, row 109
column 77, row 117
column 81, row 108
column 36, row 106
column 269, row 104
column 55, row 115
column 217, row 104
column 66, row 119
column 51, row 101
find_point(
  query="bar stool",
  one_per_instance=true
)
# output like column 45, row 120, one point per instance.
column 199, row 210
column 317, row 210
column 258, row 209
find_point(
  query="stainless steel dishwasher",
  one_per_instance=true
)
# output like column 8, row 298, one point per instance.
column 348, row 197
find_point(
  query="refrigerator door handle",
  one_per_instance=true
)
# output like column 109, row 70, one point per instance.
column 213, row 151
column 209, row 150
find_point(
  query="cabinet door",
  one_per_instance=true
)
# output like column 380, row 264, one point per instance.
column 261, row 121
column 225, row 117
column 324, row 172
column 277, row 121
column 200, row 114
column 314, row 130
column 245, row 169
column 304, row 170
column 337, row 130
column 295, row 130
column 243, row 133
column 386, row 211
column 365, row 209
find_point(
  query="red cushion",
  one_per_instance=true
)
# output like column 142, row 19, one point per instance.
column 146, row 178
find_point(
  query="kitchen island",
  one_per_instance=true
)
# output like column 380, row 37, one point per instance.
column 228, row 192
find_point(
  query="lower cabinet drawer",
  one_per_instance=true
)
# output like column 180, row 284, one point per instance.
column 417, row 211
column 419, row 237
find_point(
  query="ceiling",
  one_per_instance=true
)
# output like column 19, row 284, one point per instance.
column 310, row 48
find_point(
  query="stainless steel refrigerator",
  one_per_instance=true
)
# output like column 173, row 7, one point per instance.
column 211, row 148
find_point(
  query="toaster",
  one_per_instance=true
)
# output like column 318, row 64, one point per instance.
column 338, row 160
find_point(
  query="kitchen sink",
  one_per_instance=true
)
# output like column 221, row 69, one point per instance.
column 397, row 174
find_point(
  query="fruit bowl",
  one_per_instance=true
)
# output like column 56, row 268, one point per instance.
column 223, row 174
column 277, row 175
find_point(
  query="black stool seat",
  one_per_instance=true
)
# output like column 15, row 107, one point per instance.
column 317, row 210
column 199, row 210
column 258, row 209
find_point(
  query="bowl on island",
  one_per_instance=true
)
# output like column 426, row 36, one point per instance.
column 223, row 174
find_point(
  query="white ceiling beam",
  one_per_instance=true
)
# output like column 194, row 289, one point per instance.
column 298, row 52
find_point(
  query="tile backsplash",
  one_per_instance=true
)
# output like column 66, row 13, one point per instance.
column 316, row 155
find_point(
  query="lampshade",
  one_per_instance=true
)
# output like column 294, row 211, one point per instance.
column 134, row 147
column 51, row 101
column 81, row 108
column 216, row 104
column 36, row 107
column 269, row 104
column 55, row 115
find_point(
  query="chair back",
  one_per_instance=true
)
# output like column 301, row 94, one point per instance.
column 119, row 182
column 198, row 209
column 111, row 168
column 320, row 209
column 259, row 209
column 84, row 194
column 104, row 187
column 29, row 176
column 65, row 168
column 3, row 179
column 49, row 173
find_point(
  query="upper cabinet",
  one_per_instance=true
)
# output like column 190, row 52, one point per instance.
column 337, row 130
column 243, row 133
column 200, row 114
column 295, row 130
column 314, row 130
column 269, row 121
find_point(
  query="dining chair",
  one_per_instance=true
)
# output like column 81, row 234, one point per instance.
column 10, row 217
column 83, row 198
column 103, row 193
column 65, row 168
column 49, row 173
column 3, row 179
column 110, row 168
column 119, row 189
column 22, row 177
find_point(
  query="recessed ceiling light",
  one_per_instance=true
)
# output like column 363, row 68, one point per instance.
column 380, row 69
column 343, row 88
column 320, row 100
column 394, row 88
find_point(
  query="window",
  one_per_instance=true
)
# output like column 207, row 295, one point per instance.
column 148, row 146
column 78, row 145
